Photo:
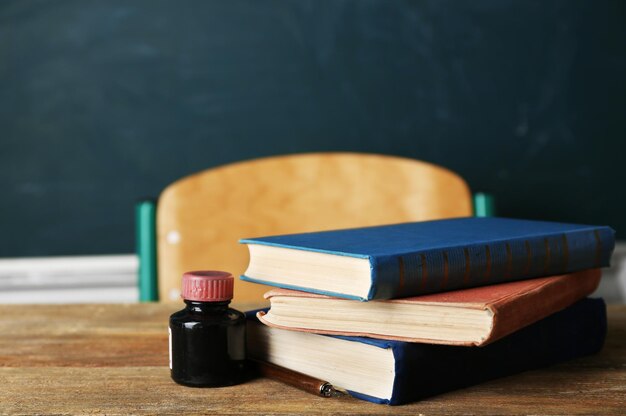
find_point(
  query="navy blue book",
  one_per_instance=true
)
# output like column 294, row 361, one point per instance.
column 394, row 372
column 411, row 259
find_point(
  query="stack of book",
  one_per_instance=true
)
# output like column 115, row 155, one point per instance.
column 396, row 313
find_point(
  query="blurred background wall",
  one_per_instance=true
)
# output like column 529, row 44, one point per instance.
column 104, row 102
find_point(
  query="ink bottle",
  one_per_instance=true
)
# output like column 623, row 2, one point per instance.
column 207, row 338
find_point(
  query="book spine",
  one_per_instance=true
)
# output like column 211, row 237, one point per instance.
column 487, row 263
column 514, row 312
column 424, row 370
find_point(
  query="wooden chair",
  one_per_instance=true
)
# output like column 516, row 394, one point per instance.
column 201, row 217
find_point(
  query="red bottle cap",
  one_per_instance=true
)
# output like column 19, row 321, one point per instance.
column 208, row 286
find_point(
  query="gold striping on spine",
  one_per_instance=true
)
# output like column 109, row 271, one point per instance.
column 546, row 263
column 529, row 258
column 488, row 261
column 598, row 261
column 565, row 250
column 509, row 261
column 446, row 270
column 468, row 266
column 424, row 271
column 401, row 274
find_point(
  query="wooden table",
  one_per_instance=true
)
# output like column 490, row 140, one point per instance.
column 113, row 359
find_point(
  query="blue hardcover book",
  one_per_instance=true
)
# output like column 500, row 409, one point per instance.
column 412, row 259
column 394, row 372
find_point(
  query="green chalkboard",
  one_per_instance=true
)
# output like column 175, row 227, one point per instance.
column 105, row 102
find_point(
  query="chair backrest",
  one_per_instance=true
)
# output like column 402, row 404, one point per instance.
column 201, row 217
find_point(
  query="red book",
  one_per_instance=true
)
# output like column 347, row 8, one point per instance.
column 476, row 316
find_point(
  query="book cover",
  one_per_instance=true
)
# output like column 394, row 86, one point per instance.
column 505, row 308
column 424, row 370
column 419, row 258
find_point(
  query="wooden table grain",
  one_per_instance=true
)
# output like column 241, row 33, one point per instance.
column 113, row 359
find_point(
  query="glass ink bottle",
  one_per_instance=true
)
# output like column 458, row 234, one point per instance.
column 207, row 338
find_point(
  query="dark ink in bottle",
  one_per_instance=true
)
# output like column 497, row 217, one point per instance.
column 207, row 338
